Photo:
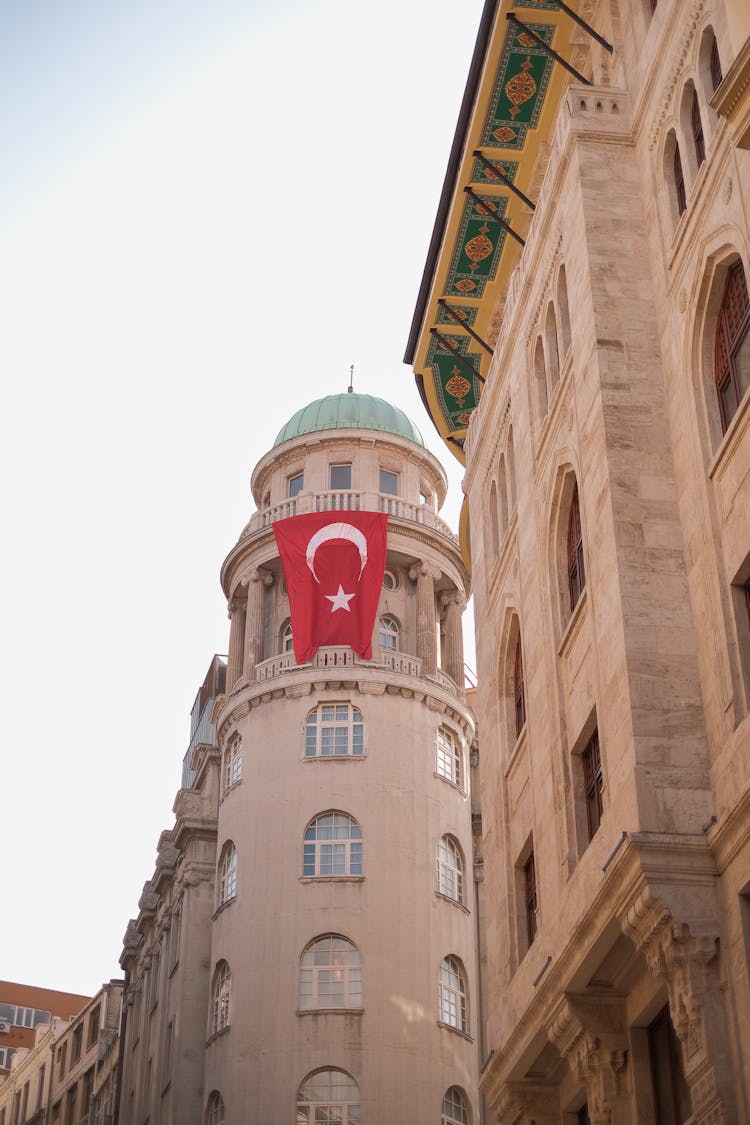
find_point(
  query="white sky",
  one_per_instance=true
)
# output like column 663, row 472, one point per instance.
column 208, row 210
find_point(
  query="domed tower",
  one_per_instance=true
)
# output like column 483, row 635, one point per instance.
column 342, row 950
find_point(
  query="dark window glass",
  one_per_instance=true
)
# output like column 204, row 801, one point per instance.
column 679, row 180
column 716, row 75
column 388, row 482
column 518, row 690
column 340, row 477
column 576, row 572
column 296, row 484
column 670, row 1089
column 697, row 126
column 529, row 887
column 732, row 351
column 592, row 780
column 582, row 1117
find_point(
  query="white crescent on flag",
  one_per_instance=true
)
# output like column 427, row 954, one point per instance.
column 336, row 531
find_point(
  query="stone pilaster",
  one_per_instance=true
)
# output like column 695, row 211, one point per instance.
column 236, row 641
column 590, row 1033
column 259, row 580
column 425, row 576
column 454, row 604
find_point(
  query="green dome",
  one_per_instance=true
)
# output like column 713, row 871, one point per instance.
column 349, row 412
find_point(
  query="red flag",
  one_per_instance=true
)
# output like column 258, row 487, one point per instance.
column 333, row 564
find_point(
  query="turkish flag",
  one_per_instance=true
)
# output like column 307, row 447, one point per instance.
column 333, row 564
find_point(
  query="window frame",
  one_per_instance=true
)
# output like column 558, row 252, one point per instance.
column 679, row 180
column 215, row 1109
column 729, row 339
column 226, row 874
column 696, row 128
column 339, row 487
column 576, row 567
column 350, row 1109
column 459, row 1112
column 448, row 757
column 221, row 997
column 318, row 723
column 450, row 875
column 530, row 899
column 383, row 475
column 453, row 1001
column 345, row 971
column 232, row 764
column 519, row 691
column 390, row 630
column 328, row 851
column 293, row 489
column 593, row 784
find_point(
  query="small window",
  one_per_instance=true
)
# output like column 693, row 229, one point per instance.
column 330, row 974
column 227, row 881
column 592, row 784
column 328, row 1096
column 519, row 694
column 233, row 764
column 220, row 997
column 340, row 478
column 679, row 180
column 576, row 572
column 388, row 633
column 448, row 757
column 732, row 349
column 334, row 730
column 450, row 869
column 452, row 993
column 332, row 846
column 215, row 1113
column 388, row 482
column 287, row 638
column 697, row 128
column 390, row 580
column 455, row 1110
column 296, row 484
column 531, row 901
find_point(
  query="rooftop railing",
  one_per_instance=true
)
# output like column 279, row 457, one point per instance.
column 399, row 663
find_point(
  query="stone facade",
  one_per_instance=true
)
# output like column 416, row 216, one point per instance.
column 615, row 803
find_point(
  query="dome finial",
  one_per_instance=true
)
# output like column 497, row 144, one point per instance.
column 350, row 388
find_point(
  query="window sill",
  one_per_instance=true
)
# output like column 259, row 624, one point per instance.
column 220, row 909
column 332, row 879
column 447, row 781
column 334, row 757
column 456, row 1031
column 217, row 1034
column 732, row 437
column 330, row 1011
column 452, row 901
column 573, row 626
column 230, row 788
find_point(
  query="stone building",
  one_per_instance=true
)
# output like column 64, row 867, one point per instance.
column 306, row 947
column 582, row 342
column 23, row 1008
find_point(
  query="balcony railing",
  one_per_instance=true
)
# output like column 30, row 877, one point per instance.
column 400, row 663
column 349, row 501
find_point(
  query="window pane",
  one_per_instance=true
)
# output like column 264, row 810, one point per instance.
column 340, row 477
column 388, row 482
column 296, row 484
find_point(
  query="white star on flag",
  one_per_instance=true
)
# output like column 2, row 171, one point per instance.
column 340, row 600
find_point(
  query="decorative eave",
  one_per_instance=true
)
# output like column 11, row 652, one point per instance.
column 518, row 73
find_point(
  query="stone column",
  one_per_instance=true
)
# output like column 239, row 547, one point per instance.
column 590, row 1033
column 453, row 654
column 425, row 575
column 259, row 580
column 236, row 641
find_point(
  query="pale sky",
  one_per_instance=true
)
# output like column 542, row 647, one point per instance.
column 208, row 211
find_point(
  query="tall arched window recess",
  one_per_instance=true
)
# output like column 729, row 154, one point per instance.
column 679, row 180
column 552, row 348
column 220, row 997
column 450, row 869
column 334, row 730
column 227, row 881
column 215, row 1113
column 732, row 347
column 287, row 637
column 452, row 994
column 332, row 846
column 455, row 1109
column 328, row 1096
column 696, row 125
column 576, row 570
column 540, row 378
column 494, row 522
column 388, row 632
column 564, row 310
column 330, row 974
column 519, row 691
column 715, row 65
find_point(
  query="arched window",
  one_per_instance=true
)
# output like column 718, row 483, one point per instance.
column 511, row 462
column 732, row 348
column 576, row 572
column 452, row 993
column 518, row 689
column 388, row 632
column 679, row 180
column 450, row 869
column 540, row 378
column 494, row 521
column 502, row 494
column 215, row 1109
column 697, row 128
column 330, row 974
column 227, row 881
column 233, row 763
column 553, row 351
column 448, row 757
column 564, row 309
column 334, row 730
column 328, row 1096
column 455, row 1110
column 715, row 65
column 220, row 997
column 287, row 637
column 332, row 846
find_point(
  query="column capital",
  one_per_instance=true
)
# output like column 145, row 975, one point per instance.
column 260, row 574
column 453, row 597
column 424, row 570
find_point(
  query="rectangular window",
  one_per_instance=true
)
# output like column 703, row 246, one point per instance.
column 448, row 757
column 40, row 1092
column 77, row 1041
column 93, row 1031
column 592, row 783
column 339, row 477
column 61, row 1053
column 388, row 482
column 530, row 897
column 153, row 995
column 296, row 484
column 671, row 1096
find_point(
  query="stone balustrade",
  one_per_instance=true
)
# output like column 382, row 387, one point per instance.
column 399, row 663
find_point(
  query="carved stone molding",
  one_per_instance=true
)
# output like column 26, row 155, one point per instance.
column 424, row 569
column 528, row 1103
column 590, row 1033
column 690, row 23
column 149, row 899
